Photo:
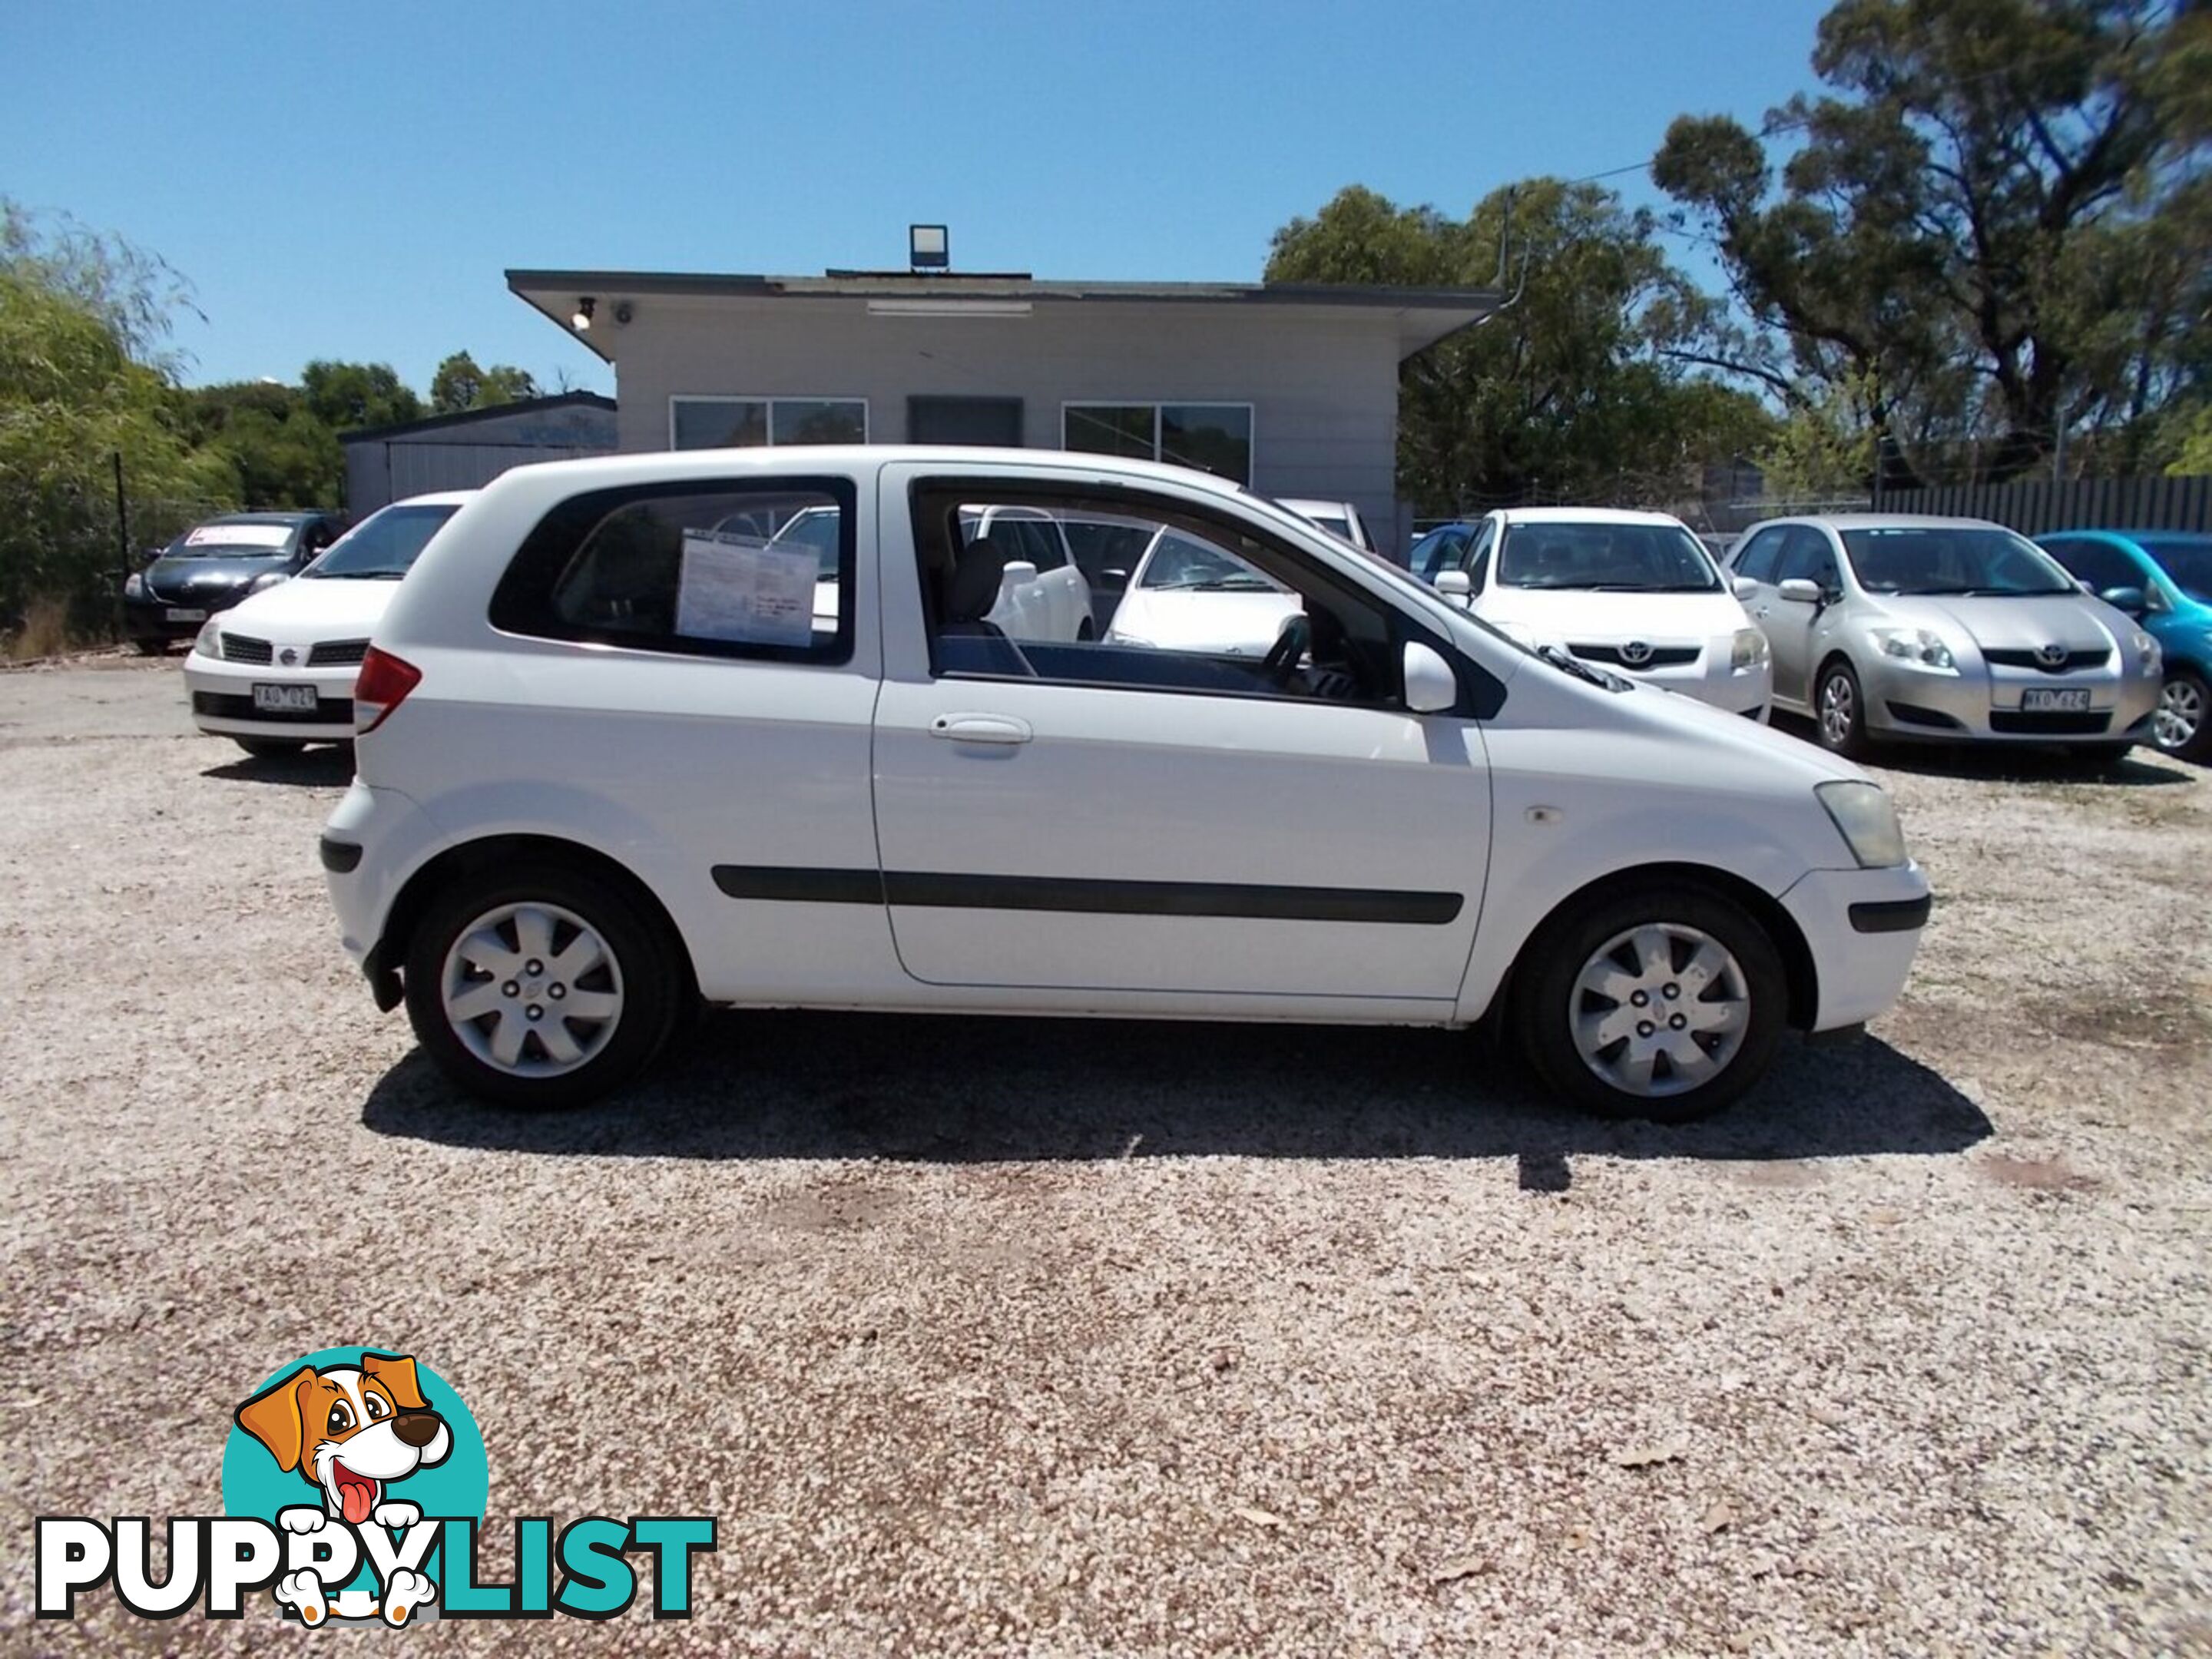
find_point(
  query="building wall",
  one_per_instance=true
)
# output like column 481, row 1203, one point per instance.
column 381, row 471
column 1323, row 381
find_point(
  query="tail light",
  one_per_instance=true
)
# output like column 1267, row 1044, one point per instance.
column 381, row 687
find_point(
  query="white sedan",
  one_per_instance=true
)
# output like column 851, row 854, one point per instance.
column 275, row 672
column 1189, row 595
column 1632, row 592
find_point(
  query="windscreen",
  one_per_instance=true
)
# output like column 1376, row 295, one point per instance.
column 1605, row 558
column 382, row 545
column 1983, row 561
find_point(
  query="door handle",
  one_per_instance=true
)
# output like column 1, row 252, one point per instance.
column 981, row 728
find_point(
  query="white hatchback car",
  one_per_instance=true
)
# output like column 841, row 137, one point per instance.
column 276, row 671
column 612, row 762
column 1635, row 591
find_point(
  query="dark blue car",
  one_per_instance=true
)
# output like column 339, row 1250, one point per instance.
column 2164, row 578
column 212, row 566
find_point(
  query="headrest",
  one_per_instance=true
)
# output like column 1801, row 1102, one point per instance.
column 975, row 577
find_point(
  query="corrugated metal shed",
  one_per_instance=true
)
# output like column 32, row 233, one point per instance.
column 460, row 452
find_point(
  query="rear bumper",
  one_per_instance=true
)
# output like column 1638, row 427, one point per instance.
column 373, row 840
column 1862, row 928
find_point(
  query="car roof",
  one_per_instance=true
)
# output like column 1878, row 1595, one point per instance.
column 1584, row 515
column 1878, row 521
column 270, row 518
column 2199, row 536
column 793, row 459
column 436, row 498
column 1305, row 503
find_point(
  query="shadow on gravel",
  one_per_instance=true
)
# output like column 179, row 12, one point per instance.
column 2144, row 768
column 955, row 1089
column 319, row 767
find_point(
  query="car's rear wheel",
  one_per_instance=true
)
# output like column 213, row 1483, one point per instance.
column 541, row 987
column 1839, row 710
column 269, row 748
column 1663, row 1001
column 2179, row 727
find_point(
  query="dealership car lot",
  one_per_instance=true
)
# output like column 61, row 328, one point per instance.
column 1060, row 1337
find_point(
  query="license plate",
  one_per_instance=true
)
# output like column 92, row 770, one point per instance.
column 179, row 613
column 285, row 699
column 2054, row 703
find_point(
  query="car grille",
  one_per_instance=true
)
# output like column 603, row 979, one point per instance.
column 2074, row 661
column 327, row 711
column 331, row 653
column 1662, row 656
column 2013, row 723
column 243, row 647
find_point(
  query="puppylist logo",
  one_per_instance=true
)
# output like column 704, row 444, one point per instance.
column 353, row 1486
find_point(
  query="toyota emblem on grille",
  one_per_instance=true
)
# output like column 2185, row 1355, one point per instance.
column 2052, row 656
column 289, row 656
column 1636, row 653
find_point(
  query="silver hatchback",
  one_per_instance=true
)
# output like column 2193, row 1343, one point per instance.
column 1943, row 630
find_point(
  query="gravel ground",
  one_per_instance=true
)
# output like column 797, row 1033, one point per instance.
column 1054, row 1338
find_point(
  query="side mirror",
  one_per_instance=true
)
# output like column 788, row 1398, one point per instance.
column 1115, row 573
column 1456, row 587
column 2130, row 600
column 1801, row 591
column 1431, row 685
column 1018, row 572
column 1744, row 588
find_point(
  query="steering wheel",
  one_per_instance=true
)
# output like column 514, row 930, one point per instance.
column 1282, row 659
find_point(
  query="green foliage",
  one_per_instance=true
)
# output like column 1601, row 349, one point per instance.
column 1569, row 393
column 1823, row 450
column 460, row 384
column 1994, row 225
column 83, row 378
column 346, row 397
column 281, row 454
column 2195, row 457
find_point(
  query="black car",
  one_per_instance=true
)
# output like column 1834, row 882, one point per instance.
column 212, row 566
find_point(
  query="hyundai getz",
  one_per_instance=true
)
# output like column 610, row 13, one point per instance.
column 615, row 758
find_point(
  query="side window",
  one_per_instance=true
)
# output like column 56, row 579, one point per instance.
column 1211, row 606
column 1758, row 558
column 2098, row 563
column 1478, row 556
column 1806, row 557
column 704, row 567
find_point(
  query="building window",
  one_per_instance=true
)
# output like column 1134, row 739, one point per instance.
column 750, row 422
column 1214, row 438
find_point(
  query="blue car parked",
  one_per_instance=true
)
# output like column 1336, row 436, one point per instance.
column 2164, row 578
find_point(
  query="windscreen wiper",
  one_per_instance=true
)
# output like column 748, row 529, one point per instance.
column 1581, row 669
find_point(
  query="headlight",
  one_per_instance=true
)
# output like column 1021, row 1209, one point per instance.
column 2149, row 655
column 1749, row 649
column 1868, row 820
column 1917, row 646
column 134, row 584
column 209, row 642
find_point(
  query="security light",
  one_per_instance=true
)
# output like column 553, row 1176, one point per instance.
column 582, row 320
column 928, row 247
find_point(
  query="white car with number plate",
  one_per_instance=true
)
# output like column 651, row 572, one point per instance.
column 275, row 672
column 601, row 777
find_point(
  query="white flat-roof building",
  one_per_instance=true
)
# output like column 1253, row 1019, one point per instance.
column 1291, row 389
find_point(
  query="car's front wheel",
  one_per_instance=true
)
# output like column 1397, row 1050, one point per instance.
column 1840, row 707
column 1664, row 1001
column 541, row 987
column 2180, row 726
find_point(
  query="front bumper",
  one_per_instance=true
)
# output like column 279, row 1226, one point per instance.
column 1862, row 928
column 221, row 696
column 1982, row 704
column 148, row 619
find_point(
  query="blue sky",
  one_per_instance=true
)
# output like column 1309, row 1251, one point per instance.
column 348, row 181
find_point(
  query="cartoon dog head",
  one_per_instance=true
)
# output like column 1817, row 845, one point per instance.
column 350, row 1431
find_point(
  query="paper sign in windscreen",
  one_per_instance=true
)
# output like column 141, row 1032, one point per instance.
column 737, row 589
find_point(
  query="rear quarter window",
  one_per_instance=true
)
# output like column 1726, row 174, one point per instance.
column 748, row 569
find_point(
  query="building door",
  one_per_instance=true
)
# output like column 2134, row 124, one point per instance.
column 995, row 421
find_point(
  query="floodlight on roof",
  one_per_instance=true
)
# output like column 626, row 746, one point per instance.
column 928, row 247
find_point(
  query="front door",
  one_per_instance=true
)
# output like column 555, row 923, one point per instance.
column 996, row 421
column 1146, row 819
column 1805, row 556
